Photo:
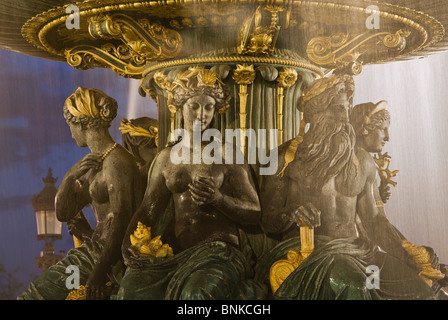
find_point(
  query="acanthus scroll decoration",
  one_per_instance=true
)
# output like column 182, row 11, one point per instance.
column 131, row 45
column 341, row 50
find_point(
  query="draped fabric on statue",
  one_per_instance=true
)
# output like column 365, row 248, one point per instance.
column 213, row 270
column 52, row 285
column 337, row 270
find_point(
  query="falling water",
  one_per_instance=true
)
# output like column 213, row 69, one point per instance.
column 418, row 103
column 139, row 106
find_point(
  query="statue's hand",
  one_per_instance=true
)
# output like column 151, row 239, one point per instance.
column 96, row 284
column 131, row 257
column 90, row 161
column 444, row 270
column 203, row 191
column 306, row 214
column 385, row 193
column 80, row 228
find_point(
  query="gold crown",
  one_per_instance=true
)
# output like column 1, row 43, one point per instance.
column 206, row 78
column 323, row 84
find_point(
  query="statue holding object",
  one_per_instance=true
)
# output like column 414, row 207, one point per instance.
column 327, row 182
column 109, row 180
column 211, row 202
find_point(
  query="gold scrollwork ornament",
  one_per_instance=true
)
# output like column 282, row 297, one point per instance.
column 341, row 49
column 143, row 42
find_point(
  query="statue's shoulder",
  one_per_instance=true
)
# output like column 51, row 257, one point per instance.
column 287, row 154
column 163, row 156
column 366, row 161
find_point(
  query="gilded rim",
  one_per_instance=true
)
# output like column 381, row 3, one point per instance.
column 235, row 59
column 429, row 30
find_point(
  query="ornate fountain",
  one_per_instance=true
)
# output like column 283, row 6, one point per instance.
column 266, row 51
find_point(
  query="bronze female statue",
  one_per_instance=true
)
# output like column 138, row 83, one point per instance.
column 108, row 179
column 210, row 203
column 371, row 122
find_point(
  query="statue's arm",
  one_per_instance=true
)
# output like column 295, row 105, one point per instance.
column 275, row 212
column 381, row 210
column 376, row 224
column 154, row 203
column 80, row 227
column 240, row 202
column 73, row 192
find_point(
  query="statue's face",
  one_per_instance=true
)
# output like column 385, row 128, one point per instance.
column 198, row 108
column 340, row 106
column 375, row 140
column 78, row 134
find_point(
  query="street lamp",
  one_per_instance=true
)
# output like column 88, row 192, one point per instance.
column 49, row 228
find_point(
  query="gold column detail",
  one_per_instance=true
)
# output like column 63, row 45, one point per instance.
column 306, row 241
column 286, row 78
column 243, row 76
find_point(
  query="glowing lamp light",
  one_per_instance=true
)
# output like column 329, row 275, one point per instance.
column 48, row 226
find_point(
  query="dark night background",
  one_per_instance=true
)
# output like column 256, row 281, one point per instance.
column 34, row 137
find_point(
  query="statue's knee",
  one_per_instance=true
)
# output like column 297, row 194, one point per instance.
column 207, row 284
column 348, row 279
column 195, row 293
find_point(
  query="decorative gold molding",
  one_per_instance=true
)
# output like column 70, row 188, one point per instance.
column 237, row 60
column 422, row 257
column 43, row 30
column 161, row 79
column 145, row 245
column 281, row 269
column 339, row 50
column 77, row 294
column 149, row 40
column 143, row 42
column 256, row 39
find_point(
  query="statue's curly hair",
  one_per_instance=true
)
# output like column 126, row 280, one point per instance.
column 196, row 81
column 368, row 116
column 319, row 95
column 90, row 108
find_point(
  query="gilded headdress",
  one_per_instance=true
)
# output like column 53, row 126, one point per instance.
column 192, row 82
column 87, row 105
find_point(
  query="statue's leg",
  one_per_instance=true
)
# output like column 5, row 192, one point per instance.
column 347, row 279
column 57, row 282
column 213, row 281
column 144, row 284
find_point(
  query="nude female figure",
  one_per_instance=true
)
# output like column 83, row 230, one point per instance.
column 211, row 201
column 107, row 179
